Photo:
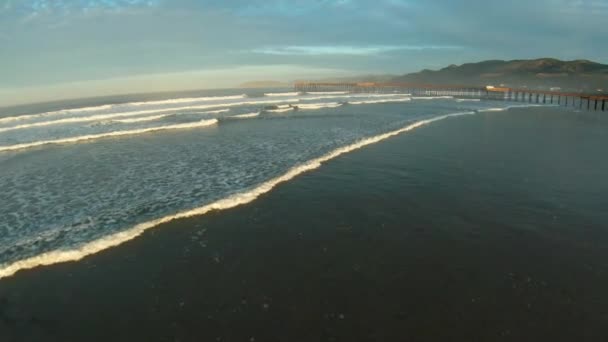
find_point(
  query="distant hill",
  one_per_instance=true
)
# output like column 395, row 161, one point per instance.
column 360, row 78
column 580, row 75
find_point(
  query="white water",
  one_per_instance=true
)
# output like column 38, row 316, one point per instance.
column 144, row 119
column 198, row 124
column 280, row 110
column 407, row 99
column 246, row 115
column 431, row 97
column 319, row 105
column 282, row 94
column 110, row 106
column 327, row 92
column 190, row 99
column 112, row 116
column 116, row 239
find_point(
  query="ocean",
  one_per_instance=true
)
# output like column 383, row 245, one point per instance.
column 351, row 217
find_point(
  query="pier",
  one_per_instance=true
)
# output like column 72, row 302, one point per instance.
column 568, row 99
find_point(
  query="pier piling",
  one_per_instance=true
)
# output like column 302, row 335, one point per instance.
column 490, row 93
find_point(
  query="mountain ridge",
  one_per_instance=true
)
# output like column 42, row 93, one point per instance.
column 580, row 74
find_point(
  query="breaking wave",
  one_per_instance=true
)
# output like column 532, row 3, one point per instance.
column 407, row 99
column 190, row 99
column 232, row 201
column 246, row 115
column 327, row 92
column 295, row 93
column 319, row 105
column 80, row 138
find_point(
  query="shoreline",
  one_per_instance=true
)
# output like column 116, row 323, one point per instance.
column 114, row 240
column 378, row 245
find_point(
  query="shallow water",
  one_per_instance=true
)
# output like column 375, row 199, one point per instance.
column 487, row 227
column 73, row 177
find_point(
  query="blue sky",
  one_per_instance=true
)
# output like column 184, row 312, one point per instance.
column 69, row 48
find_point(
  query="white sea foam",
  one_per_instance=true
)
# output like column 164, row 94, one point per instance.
column 468, row 100
column 189, row 99
column 492, row 109
column 327, row 92
column 246, row 115
column 352, row 95
column 116, row 239
column 407, row 99
column 432, row 97
column 110, row 106
column 280, row 110
column 295, row 93
column 57, row 112
column 319, row 105
column 113, row 116
column 144, row 119
column 217, row 111
column 80, row 138
column 157, row 117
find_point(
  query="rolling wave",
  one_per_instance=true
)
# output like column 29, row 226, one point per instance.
column 319, row 105
column 158, row 117
column 407, row 99
column 144, row 119
column 351, row 95
column 188, row 99
column 110, row 106
column 88, row 137
column 217, row 111
column 280, row 110
column 112, row 116
column 295, row 93
column 246, row 115
column 232, row 201
column 327, row 92
column 57, row 112
column 432, row 97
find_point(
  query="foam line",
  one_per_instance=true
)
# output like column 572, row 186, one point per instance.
column 57, row 112
column 245, row 116
column 492, row 110
column 280, row 110
column 232, row 201
column 145, row 118
column 109, row 106
column 350, row 95
column 201, row 123
column 432, row 97
column 157, row 117
column 113, row 116
column 327, row 92
column 282, row 94
column 217, row 111
column 468, row 100
column 319, row 105
column 188, row 99
column 407, row 99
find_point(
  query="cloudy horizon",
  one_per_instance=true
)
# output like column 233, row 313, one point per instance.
column 76, row 48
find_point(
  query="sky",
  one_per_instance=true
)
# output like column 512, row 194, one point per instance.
column 55, row 49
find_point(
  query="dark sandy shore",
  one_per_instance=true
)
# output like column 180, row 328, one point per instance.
column 483, row 228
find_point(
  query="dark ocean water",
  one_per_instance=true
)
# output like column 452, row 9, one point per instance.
column 479, row 227
column 79, row 180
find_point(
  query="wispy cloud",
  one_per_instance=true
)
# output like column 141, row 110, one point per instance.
column 27, row 7
column 346, row 50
